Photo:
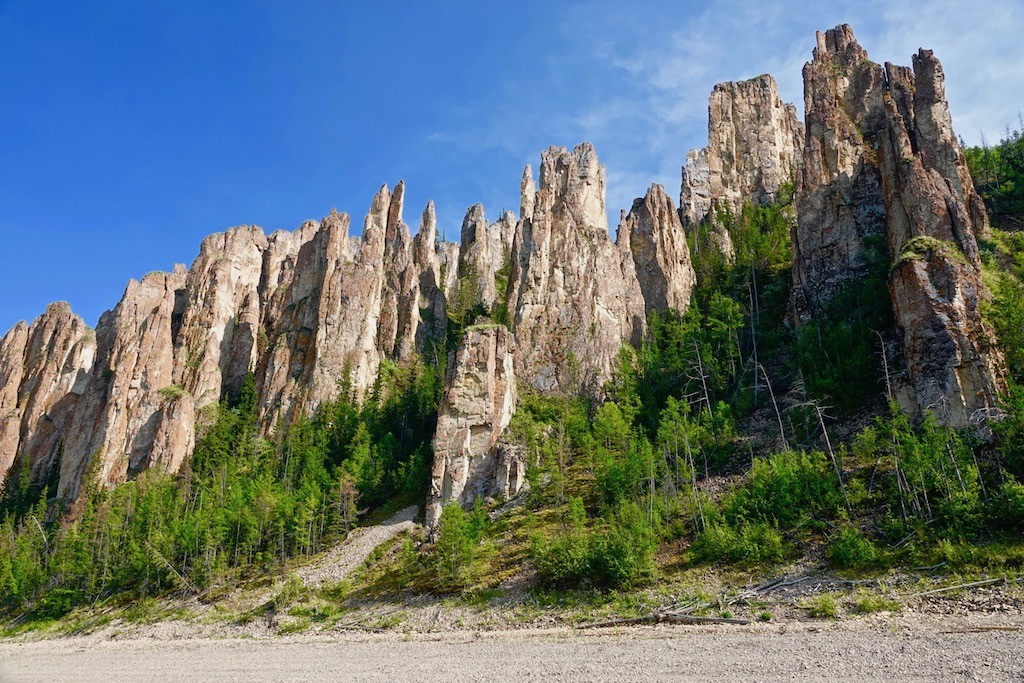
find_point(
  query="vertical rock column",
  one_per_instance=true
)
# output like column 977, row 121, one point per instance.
column 478, row 403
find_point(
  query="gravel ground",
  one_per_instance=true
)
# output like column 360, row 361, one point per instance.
column 341, row 561
column 862, row 650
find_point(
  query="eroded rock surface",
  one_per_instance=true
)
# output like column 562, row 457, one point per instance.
column 657, row 245
column 573, row 306
column 755, row 141
column 883, row 173
column 43, row 369
column 477, row 406
column 933, row 215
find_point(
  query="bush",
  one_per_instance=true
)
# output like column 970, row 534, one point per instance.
column 786, row 488
column 747, row 543
column 851, row 550
column 1007, row 507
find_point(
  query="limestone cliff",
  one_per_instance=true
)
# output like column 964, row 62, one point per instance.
column 478, row 403
column 754, row 147
column 840, row 207
column 933, row 215
column 43, row 370
column 573, row 306
column 657, row 245
column 881, row 163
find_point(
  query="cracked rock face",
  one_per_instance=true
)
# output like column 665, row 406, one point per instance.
column 570, row 294
column 932, row 217
column 840, row 207
column 755, row 141
column 882, row 162
column 478, row 403
column 43, row 370
column 657, row 244
column 113, row 427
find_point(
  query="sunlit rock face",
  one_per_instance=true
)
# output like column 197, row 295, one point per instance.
column 478, row 403
column 883, row 169
column 755, row 141
column 43, row 370
column 573, row 303
column 656, row 243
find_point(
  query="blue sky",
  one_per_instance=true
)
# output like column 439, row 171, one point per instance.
column 130, row 130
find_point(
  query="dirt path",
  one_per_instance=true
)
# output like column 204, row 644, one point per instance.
column 864, row 651
column 345, row 558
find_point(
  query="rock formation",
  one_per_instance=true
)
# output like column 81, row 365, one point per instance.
column 478, row 403
column 573, row 305
column 839, row 195
column 882, row 163
column 43, row 371
column 933, row 215
column 114, row 424
column 657, row 245
column 754, row 146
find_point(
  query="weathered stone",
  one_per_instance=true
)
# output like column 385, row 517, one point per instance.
column 429, row 267
column 657, row 245
column 113, row 427
column 43, row 370
column 755, row 141
column 572, row 304
column 215, row 340
column 839, row 194
column 478, row 403
column 954, row 367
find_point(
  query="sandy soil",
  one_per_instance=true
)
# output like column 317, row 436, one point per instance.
column 914, row 648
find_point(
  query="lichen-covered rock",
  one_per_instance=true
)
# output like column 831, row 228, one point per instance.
column 839, row 202
column 571, row 302
column 932, row 219
column 657, row 245
column 477, row 406
column 755, row 141
column 113, row 427
column 43, row 370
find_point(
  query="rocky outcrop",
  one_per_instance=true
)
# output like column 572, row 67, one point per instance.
column 573, row 306
column 883, row 171
column 477, row 406
column 652, row 233
column 840, row 208
column 43, row 370
column 933, row 215
column 754, row 146
column 430, row 267
column 327, row 333
column 114, row 424
column 216, row 336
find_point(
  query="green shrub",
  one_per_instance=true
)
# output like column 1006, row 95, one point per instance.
column 454, row 552
column 851, row 550
column 1007, row 507
column 747, row 543
column 785, row 489
column 822, row 606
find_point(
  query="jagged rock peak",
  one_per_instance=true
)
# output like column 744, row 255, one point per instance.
column 933, row 217
column 754, row 146
column 477, row 406
column 840, row 209
column 44, row 367
column 527, row 193
column 115, row 420
column 657, row 245
column 571, row 293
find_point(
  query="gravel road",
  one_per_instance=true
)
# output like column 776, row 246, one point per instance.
column 867, row 651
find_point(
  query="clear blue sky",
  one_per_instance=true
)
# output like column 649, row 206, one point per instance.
column 129, row 130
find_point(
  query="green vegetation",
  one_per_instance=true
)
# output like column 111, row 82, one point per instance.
column 998, row 173
column 244, row 505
